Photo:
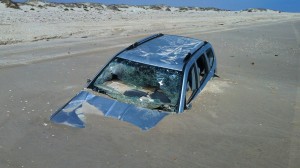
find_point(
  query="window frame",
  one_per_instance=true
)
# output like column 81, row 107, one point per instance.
column 183, row 103
column 210, row 60
column 197, row 76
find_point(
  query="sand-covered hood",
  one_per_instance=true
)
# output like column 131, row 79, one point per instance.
column 73, row 113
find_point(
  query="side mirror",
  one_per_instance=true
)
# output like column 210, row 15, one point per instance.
column 88, row 81
column 188, row 106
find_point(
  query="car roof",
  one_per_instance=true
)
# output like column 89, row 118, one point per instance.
column 167, row 51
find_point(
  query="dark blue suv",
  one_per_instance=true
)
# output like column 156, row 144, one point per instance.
column 145, row 82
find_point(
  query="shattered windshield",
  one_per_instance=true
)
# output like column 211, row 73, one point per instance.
column 139, row 84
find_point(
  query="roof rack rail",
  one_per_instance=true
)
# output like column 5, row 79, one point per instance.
column 189, row 55
column 144, row 41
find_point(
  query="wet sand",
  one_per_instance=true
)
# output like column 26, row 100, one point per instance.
column 247, row 118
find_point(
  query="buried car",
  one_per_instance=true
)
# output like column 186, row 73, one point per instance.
column 145, row 82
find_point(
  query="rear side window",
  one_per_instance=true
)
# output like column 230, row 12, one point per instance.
column 203, row 68
column 210, row 57
column 191, row 84
column 196, row 77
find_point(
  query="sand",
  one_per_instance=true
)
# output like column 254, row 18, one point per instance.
column 39, row 21
column 56, row 25
column 249, row 117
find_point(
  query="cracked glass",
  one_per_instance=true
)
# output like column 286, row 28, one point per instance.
column 139, row 84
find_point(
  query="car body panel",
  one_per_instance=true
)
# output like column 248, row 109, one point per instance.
column 73, row 114
column 167, row 51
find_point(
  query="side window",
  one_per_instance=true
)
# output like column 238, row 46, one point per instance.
column 210, row 57
column 197, row 74
column 203, row 68
column 191, row 87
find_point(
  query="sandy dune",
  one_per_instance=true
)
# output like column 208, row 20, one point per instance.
column 90, row 24
column 42, row 21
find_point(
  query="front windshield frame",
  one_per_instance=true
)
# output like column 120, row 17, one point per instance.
column 174, row 104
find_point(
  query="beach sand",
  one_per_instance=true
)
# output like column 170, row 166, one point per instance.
column 249, row 117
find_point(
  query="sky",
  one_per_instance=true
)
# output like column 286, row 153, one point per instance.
column 281, row 5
